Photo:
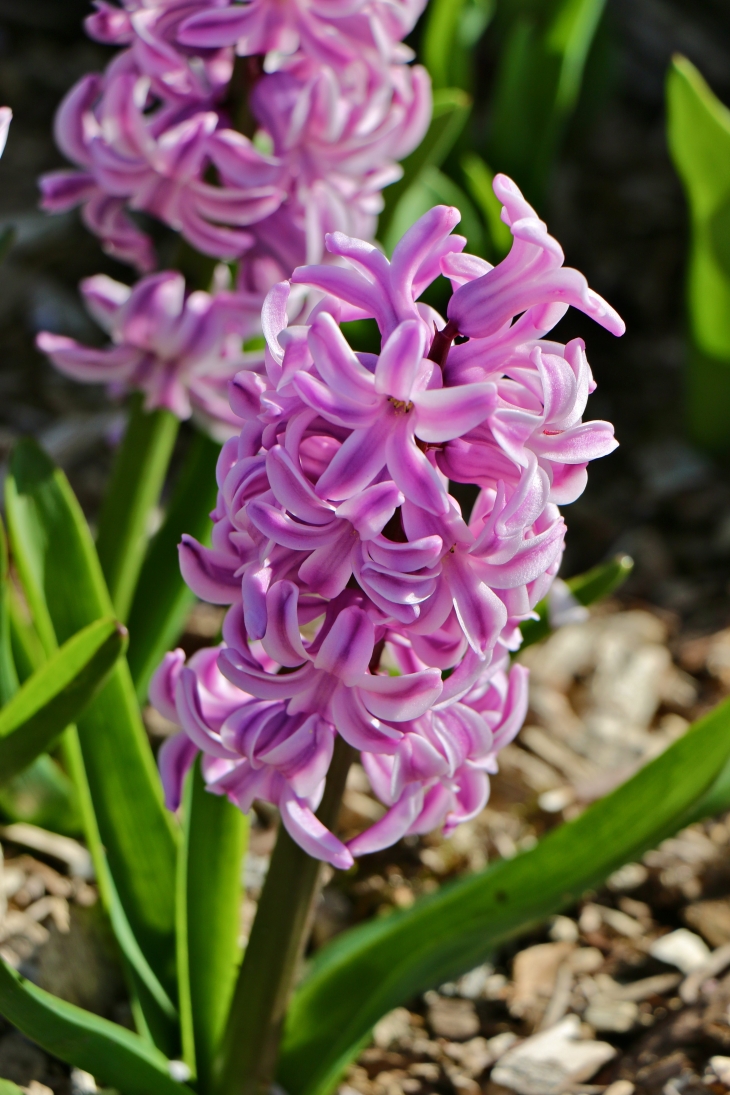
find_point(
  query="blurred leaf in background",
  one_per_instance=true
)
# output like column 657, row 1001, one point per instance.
column 537, row 84
column 698, row 129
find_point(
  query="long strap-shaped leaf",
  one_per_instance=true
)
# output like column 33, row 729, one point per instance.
column 137, row 478
column 56, row 694
column 162, row 598
column 65, row 588
column 112, row 1054
column 209, row 904
column 537, row 85
column 366, row 972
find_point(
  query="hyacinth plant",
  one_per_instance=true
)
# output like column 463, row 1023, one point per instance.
column 384, row 531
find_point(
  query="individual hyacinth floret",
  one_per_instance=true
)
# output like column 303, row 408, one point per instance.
column 259, row 157
column 365, row 604
column 180, row 349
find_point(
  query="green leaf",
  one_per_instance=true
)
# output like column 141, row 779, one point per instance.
column 699, row 140
column 112, row 1054
column 453, row 28
column 431, row 188
column 537, row 85
column 65, row 590
column 451, row 108
column 599, row 582
column 7, row 1087
column 8, row 674
column 367, row 971
column 162, row 599
column 56, row 694
column 209, row 904
column 479, row 183
column 136, row 482
column 27, row 650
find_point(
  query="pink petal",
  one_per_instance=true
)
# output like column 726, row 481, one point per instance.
column 400, row 360
column 348, row 648
column 335, row 361
column 443, row 414
column 394, row 825
column 411, row 470
column 340, row 409
column 355, row 464
column 209, row 573
column 399, row 699
column 310, row 834
column 282, row 640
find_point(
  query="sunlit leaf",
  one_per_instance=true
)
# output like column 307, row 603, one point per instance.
column 365, row 972
column 112, row 1054
column 453, row 28
column 209, row 903
column 56, row 694
column 431, row 188
column 595, row 584
column 65, row 589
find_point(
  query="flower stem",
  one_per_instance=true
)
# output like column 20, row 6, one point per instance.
column 442, row 344
column 247, row 1060
column 136, row 482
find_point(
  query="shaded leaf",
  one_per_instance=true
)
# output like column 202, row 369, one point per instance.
column 111, row 1053
column 478, row 178
column 162, row 599
column 453, row 28
column 56, row 694
column 42, row 795
column 537, row 85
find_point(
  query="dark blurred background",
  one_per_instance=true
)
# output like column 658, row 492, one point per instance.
column 614, row 202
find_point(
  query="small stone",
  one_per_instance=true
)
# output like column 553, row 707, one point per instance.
column 721, row 1067
column 586, row 960
column 392, row 1027
column 606, row 1014
column 471, row 985
column 711, row 919
column 82, row 1083
column 563, row 930
column 620, row 1087
column 452, row 1018
column 534, row 973
column 550, row 1062
column 681, row 948
column 628, row 877
column 35, row 1087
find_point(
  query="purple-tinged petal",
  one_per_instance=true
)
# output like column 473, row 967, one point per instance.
column 579, row 444
column 336, row 363
column 210, row 574
column 293, row 491
column 164, row 681
column 358, row 727
column 174, row 759
column 480, row 611
column 280, row 528
column 355, row 464
column 400, row 360
column 371, row 509
column 348, row 648
column 310, row 834
column 399, row 699
column 394, row 825
column 282, row 640
column 327, row 570
column 406, row 557
column 340, row 409
column 411, row 470
column 265, row 686
column 443, row 414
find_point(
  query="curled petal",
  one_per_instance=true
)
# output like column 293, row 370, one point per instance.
column 175, row 758
column 394, row 825
column 399, row 699
column 209, row 573
column 282, row 640
column 310, row 834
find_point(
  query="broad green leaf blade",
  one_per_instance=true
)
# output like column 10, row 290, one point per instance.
column 209, row 903
column 162, row 599
column 137, row 478
column 431, row 188
column 59, row 568
column 7, row 1087
column 537, row 85
column 599, row 582
column 451, row 108
column 56, row 694
column 112, row 1054
column 155, row 1014
column 369, row 970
